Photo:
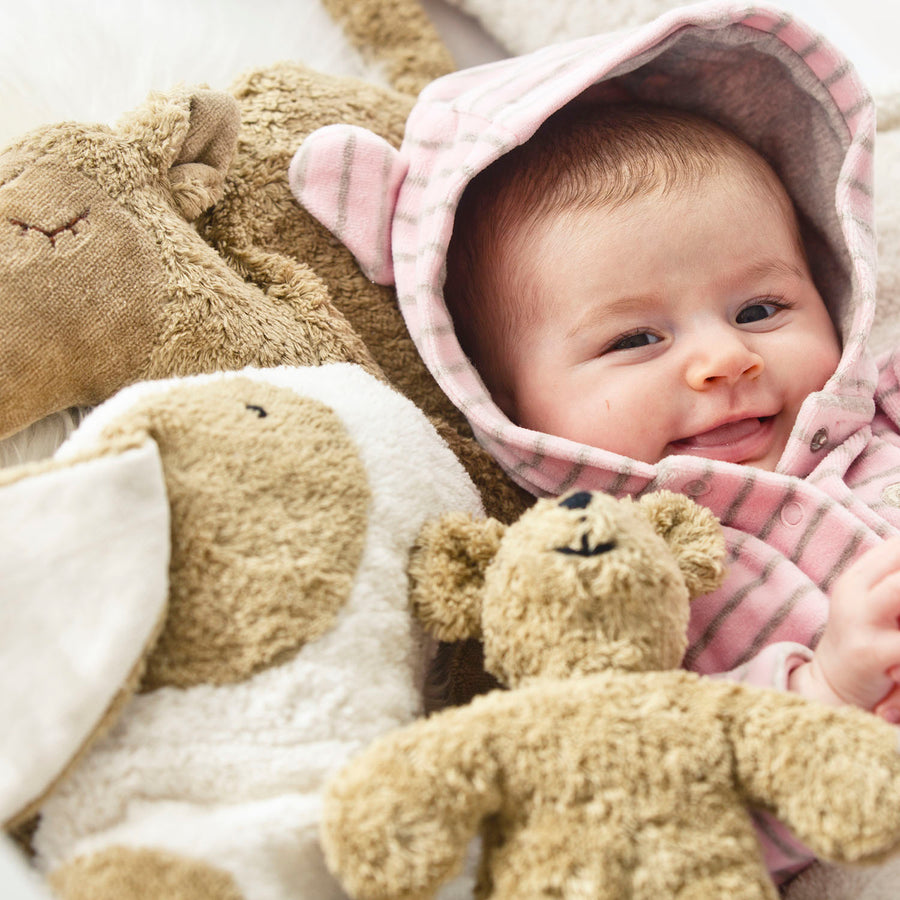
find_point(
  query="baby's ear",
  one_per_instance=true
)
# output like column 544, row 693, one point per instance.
column 190, row 138
column 447, row 568
column 694, row 537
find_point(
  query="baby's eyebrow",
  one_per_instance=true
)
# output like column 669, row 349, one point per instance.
column 769, row 266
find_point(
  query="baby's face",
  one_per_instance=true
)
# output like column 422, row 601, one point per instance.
column 688, row 324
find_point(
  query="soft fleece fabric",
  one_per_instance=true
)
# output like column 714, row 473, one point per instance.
column 787, row 91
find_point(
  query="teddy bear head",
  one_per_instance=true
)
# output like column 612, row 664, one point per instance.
column 105, row 280
column 576, row 585
column 91, row 219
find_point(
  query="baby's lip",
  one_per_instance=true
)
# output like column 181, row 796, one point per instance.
column 735, row 440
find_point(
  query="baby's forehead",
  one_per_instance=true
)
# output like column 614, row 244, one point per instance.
column 546, row 260
column 741, row 176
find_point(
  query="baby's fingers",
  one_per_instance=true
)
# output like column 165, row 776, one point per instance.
column 875, row 565
column 889, row 705
column 882, row 603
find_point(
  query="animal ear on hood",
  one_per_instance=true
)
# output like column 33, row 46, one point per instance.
column 694, row 537
column 447, row 568
column 189, row 139
column 349, row 178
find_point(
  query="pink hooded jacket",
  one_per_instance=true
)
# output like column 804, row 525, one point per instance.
column 789, row 93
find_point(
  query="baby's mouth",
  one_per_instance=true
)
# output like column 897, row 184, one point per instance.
column 738, row 441
column 729, row 433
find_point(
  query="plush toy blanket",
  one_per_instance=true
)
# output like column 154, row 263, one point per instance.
column 95, row 62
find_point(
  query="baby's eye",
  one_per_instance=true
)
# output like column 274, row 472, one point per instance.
column 634, row 340
column 757, row 312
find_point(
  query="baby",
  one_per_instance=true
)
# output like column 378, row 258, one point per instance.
column 622, row 296
column 637, row 259
column 634, row 278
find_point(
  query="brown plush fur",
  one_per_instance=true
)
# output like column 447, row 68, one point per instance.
column 125, row 873
column 400, row 35
column 104, row 281
column 604, row 773
column 267, row 527
column 171, row 245
column 280, row 105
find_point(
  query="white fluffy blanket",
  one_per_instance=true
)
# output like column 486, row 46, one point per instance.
column 95, row 59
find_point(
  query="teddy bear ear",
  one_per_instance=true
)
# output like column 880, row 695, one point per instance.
column 694, row 537
column 188, row 137
column 447, row 568
column 348, row 178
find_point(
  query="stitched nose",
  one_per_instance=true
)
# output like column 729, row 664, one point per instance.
column 577, row 501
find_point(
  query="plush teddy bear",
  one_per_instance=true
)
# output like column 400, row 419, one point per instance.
column 205, row 610
column 605, row 771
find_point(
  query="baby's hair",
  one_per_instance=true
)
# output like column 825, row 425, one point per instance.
column 585, row 156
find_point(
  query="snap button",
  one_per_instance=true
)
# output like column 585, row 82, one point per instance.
column 891, row 495
column 820, row 439
column 696, row 488
column 792, row 513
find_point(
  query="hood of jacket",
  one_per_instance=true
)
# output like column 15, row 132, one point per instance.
column 755, row 69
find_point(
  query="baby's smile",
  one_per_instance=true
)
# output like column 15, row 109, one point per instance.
column 740, row 440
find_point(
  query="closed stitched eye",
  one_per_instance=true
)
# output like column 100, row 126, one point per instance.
column 258, row 410
column 54, row 233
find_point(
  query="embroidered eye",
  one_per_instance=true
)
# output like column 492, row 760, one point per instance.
column 74, row 226
column 258, row 410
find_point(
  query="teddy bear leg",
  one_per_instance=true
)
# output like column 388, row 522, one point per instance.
column 743, row 883
column 138, row 873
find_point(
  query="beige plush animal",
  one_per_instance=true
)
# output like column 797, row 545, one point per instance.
column 171, row 245
column 104, row 281
column 205, row 611
column 605, row 772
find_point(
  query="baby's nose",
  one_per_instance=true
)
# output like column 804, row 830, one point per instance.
column 721, row 359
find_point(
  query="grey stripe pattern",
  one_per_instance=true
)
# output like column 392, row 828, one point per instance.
column 344, row 187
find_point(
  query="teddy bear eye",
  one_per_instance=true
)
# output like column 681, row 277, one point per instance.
column 258, row 410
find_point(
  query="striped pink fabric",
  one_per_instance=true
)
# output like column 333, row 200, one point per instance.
column 837, row 489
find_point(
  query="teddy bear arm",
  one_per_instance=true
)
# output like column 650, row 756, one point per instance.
column 397, row 821
column 832, row 775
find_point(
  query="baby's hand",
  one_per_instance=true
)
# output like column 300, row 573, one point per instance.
column 858, row 657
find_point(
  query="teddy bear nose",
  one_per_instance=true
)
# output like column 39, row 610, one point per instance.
column 579, row 500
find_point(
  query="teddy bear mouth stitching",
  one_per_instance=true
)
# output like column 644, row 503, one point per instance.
column 585, row 549
column 52, row 234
